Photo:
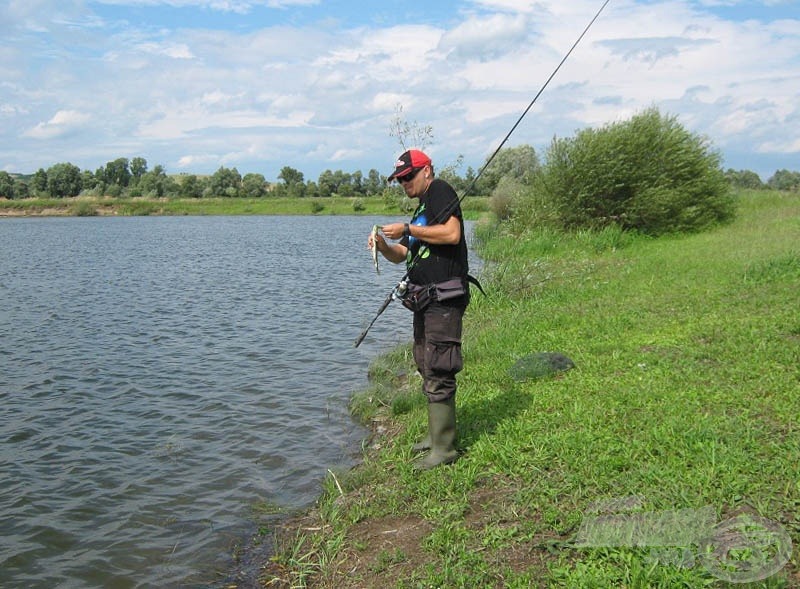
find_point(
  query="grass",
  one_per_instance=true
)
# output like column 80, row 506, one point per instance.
column 84, row 205
column 685, row 394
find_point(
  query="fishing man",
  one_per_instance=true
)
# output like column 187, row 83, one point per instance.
column 434, row 248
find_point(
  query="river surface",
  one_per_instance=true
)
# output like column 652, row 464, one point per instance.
column 162, row 377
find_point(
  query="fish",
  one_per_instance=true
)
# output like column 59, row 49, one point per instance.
column 374, row 235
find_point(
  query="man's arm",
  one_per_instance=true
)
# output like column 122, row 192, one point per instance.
column 447, row 233
column 394, row 252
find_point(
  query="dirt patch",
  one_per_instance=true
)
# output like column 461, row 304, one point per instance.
column 381, row 551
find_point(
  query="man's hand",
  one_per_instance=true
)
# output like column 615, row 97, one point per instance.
column 393, row 230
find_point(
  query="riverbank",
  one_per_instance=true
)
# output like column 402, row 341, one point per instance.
column 684, row 397
column 88, row 206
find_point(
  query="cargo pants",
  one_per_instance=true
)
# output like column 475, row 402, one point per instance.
column 437, row 348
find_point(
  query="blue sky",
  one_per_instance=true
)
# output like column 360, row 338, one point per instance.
column 261, row 84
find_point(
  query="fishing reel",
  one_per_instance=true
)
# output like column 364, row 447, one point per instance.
column 401, row 289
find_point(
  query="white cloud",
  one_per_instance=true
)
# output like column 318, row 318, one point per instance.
column 236, row 6
column 483, row 38
column 64, row 121
column 173, row 50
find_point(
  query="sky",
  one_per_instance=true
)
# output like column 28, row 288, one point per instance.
column 194, row 85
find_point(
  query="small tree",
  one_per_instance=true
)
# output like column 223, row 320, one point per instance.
column 409, row 135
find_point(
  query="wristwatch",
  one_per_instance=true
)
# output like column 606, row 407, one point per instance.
column 406, row 230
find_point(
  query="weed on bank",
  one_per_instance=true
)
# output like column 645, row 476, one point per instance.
column 683, row 400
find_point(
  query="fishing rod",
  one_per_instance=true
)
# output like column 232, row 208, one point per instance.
column 399, row 290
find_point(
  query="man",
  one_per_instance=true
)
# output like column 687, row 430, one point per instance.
column 434, row 249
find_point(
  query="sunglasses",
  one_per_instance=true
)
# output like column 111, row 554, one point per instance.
column 408, row 177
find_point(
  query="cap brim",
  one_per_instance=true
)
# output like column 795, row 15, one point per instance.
column 402, row 172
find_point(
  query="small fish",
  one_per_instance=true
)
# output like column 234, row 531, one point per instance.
column 375, row 247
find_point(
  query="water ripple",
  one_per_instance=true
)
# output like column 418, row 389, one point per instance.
column 160, row 376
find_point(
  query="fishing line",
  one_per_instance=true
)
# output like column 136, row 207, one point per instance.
column 446, row 213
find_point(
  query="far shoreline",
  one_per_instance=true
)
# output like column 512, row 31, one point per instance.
column 91, row 206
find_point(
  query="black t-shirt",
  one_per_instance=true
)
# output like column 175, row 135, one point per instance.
column 439, row 262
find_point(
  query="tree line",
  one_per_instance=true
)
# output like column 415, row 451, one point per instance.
column 133, row 178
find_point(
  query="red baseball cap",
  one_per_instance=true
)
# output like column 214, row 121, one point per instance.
column 413, row 159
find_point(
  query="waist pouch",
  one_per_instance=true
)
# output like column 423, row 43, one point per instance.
column 419, row 296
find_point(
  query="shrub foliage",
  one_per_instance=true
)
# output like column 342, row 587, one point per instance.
column 648, row 174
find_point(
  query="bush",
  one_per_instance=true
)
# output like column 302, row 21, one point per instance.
column 648, row 174
column 83, row 208
column 507, row 192
column 358, row 205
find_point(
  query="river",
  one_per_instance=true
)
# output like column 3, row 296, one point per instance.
column 161, row 377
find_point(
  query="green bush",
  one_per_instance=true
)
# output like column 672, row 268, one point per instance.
column 83, row 208
column 648, row 174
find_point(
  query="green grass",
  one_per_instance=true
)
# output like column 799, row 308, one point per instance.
column 685, row 393
column 473, row 206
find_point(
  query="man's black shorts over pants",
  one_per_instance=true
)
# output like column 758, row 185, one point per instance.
column 437, row 348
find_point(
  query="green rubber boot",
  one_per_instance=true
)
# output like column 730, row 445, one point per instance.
column 422, row 446
column 442, row 432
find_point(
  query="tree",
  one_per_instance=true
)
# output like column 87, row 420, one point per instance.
column 88, row 179
column 290, row 176
column 138, row 169
column 744, row 179
column 155, row 184
column 518, row 163
column 117, row 172
column 784, row 180
column 64, row 180
column 293, row 181
column 357, row 181
column 254, row 185
column 190, row 187
column 39, row 182
column 21, row 189
column 374, row 183
column 225, row 182
column 6, row 185
column 342, row 182
column 326, row 184
column 311, row 190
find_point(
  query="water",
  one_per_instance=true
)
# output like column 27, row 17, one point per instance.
column 161, row 376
